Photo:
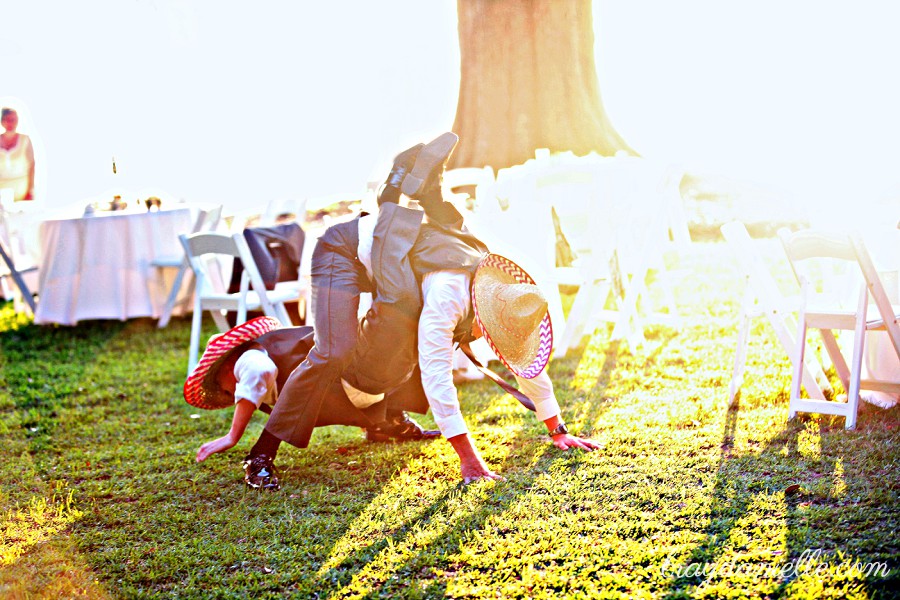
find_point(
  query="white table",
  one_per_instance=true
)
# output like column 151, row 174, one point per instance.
column 98, row 267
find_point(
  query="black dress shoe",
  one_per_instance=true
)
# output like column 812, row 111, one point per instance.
column 400, row 428
column 403, row 163
column 260, row 473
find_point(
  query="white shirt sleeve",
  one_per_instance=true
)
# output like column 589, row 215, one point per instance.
column 256, row 378
column 446, row 301
column 366, row 239
column 445, row 296
column 540, row 390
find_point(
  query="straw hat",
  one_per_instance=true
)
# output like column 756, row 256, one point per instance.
column 201, row 389
column 512, row 312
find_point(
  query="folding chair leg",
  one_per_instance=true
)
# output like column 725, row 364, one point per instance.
column 17, row 278
column 573, row 331
column 628, row 326
column 812, row 373
column 169, row 306
column 222, row 322
column 554, row 307
column 194, row 352
column 282, row 315
column 185, row 301
column 740, row 359
column 859, row 343
column 798, row 365
column 836, row 356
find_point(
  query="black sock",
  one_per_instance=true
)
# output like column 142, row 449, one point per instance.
column 390, row 414
column 266, row 444
column 432, row 201
column 389, row 194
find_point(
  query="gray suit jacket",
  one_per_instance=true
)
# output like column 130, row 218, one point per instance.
column 403, row 251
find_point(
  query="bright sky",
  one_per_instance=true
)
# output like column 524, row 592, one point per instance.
column 219, row 100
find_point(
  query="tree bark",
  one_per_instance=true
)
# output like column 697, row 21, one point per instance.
column 528, row 80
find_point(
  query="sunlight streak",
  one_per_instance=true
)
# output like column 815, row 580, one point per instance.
column 387, row 518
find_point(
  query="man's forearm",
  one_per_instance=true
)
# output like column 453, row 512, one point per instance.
column 471, row 465
column 464, row 447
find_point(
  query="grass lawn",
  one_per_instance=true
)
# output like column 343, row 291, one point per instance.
column 100, row 495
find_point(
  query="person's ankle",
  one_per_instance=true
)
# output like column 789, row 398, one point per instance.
column 403, row 163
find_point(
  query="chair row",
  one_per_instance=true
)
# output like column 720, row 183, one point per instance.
column 839, row 288
column 210, row 256
column 598, row 224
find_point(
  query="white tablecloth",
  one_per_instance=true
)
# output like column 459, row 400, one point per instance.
column 99, row 267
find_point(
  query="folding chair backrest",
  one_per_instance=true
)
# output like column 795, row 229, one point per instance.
column 202, row 250
column 480, row 182
column 208, row 220
column 277, row 251
column 572, row 191
column 810, row 244
column 280, row 210
column 825, row 264
column 750, row 262
column 876, row 290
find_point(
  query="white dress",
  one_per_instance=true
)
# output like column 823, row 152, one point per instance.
column 15, row 165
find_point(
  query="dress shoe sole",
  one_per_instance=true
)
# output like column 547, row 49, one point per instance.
column 432, row 154
column 383, row 438
column 267, row 488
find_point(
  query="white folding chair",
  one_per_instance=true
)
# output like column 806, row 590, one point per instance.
column 607, row 211
column 207, row 220
column 513, row 223
column 283, row 209
column 481, row 180
column 12, row 268
column 205, row 252
column 822, row 308
column 276, row 249
column 647, row 191
column 571, row 189
column 762, row 297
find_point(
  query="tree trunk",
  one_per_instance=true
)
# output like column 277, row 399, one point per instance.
column 528, row 80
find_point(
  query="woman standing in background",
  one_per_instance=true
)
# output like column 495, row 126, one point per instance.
column 16, row 159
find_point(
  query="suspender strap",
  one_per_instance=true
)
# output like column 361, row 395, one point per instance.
column 525, row 400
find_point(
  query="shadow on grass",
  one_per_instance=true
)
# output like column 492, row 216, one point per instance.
column 41, row 370
column 819, row 511
column 447, row 532
column 616, row 355
column 42, row 374
column 438, row 531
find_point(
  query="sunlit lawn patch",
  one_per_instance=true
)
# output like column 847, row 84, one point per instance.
column 99, row 493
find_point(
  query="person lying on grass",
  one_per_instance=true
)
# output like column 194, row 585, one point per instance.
column 422, row 273
column 246, row 366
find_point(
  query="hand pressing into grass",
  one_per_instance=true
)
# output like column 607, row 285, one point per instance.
column 566, row 441
column 559, row 433
column 209, row 448
column 243, row 410
column 471, row 466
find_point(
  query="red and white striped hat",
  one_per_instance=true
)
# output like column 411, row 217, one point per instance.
column 512, row 313
column 201, row 389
